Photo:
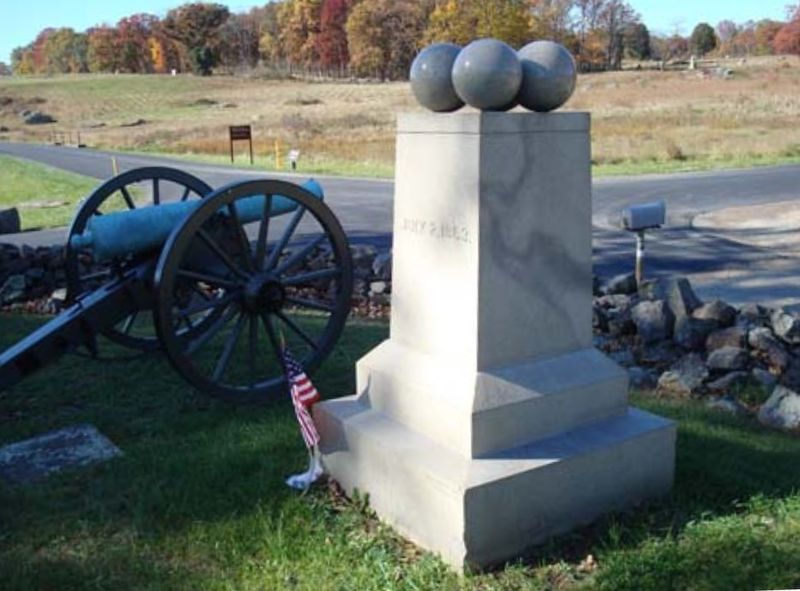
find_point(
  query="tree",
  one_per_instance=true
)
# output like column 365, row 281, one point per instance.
column 703, row 39
column 637, row 41
column 4, row 69
column 552, row 19
column 787, row 39
column 384, row 36
column 332, row 38
column 196, row 27
column 102, row 49
column 65, row 51
column 461, row 21
column 239, row 38
column 132, row 43
column 299, row 24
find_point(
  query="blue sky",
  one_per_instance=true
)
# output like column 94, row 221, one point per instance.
column 20, row 21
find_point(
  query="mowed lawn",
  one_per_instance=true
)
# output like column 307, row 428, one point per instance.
column 197, row 501
column 642, row 120
column 45, row 197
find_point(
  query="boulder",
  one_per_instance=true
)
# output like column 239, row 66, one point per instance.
column 378, row 287
column 620, row 322
column 735, row 336
column 653, row 321
column 728, row 381
column 728, row 359
column 9, row 221
column 691, row 333
column 763, row 377
column 382, row 265
column 37, row 118
column 13, row 289
column 621, row 284
column 685, row 377
column 363, row 256
column 660, row 354
column 676, row 291
column 614, row 301
column 753, row 315
column 786, row 326
column 717, row 311
column 781, row 410
column 770, row 349
column 727, row 404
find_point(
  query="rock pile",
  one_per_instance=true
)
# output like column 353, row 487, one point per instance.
column 741, row 360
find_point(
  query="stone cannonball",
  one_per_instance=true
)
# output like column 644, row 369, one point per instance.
column 487, row 75
column 548, row 75
column 430, row 77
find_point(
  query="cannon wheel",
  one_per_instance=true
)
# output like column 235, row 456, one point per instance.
column 118, row 194
column 284, row 277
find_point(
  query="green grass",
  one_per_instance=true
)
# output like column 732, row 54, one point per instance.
column 35, row 189
column 198, row 500
column 698, row 164
column 307, row 164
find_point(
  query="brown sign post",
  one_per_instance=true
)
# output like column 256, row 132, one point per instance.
column 241, row 132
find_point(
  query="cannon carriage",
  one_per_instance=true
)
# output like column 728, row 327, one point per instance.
column 219, row 280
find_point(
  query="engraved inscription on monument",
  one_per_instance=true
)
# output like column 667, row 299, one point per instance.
column 438, row 229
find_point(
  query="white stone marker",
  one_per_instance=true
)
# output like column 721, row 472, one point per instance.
column 488, row 422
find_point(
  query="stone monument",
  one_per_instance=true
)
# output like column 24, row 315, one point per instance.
column 487, row 422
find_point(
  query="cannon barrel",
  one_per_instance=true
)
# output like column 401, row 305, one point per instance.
column 139, row 230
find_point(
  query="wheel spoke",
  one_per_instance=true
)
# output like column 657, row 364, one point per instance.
column 299, row 331
column 244, row 243
column 313, row 304
column 197, row 343
column 208, row 278
column 273, row 339
column 209, row 304
column 287, row 234
column 126, row 328
column 95, row 275
column 293, row 260
column 263, row 231
column 156, row 192
column 127, row 197
column 185, row 195
column 230, row 344
column 253, row 343
column 221, row 254
column 312, row 276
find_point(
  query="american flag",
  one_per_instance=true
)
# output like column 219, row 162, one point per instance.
column 304, row 395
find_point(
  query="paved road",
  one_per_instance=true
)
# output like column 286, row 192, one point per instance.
column 718, row 264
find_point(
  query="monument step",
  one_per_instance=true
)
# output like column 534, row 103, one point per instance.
column 482, row 511
column 475, row 413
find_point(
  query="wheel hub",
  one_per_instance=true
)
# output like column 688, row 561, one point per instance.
column 264, row 294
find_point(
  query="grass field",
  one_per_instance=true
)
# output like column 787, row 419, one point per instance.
column 198, row 500
column 643, row 121
column 46, row 197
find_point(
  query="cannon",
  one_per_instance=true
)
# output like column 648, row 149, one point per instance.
column 219, row 280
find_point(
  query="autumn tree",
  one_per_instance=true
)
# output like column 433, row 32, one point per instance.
column 787, row 40
column 332, row 38
column 102, row 49
column 461, row 21
column 132, row 43
column 552, row 19
column 65, row 51
column 384, row 36
column 703, row 39
column 196, row 27
column 299, row 24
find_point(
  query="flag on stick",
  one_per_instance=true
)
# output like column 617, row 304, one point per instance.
column 304, row 395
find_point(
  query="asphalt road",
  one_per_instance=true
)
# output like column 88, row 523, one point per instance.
column 717, row 263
